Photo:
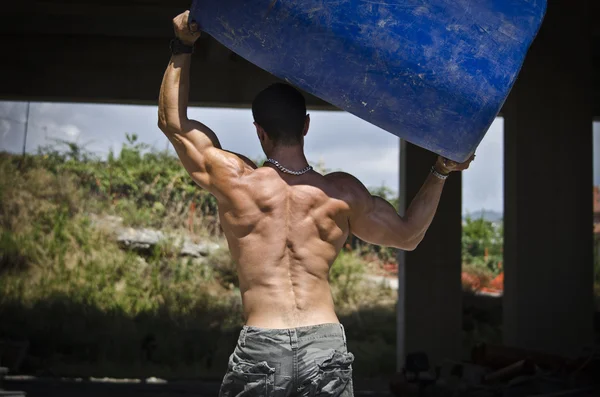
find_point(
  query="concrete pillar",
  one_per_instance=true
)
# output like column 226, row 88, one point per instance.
column 430, row 294
column 548, row 298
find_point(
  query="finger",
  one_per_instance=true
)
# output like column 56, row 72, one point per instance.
column 184, row 18
column 194, row 27
column 181, row 21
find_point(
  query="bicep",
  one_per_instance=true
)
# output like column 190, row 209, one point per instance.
column 200, row 153
column 193, row 134
column 371, row 218
column 377, row 222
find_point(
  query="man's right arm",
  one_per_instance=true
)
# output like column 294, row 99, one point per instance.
column 197, row 146
column 374, row 220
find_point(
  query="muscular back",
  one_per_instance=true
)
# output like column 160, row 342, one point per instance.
column 284, row 232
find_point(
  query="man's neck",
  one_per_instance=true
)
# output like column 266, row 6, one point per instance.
column 291, row 157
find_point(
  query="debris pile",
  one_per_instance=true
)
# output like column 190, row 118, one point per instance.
column 10, row 353
column 499, row 371
column 145, row 240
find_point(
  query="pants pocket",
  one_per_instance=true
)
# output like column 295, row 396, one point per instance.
column 246, row 379
column 334, row 378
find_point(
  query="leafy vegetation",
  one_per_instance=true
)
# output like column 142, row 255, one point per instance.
column 88, row 308
column 482, row 243
column 148, row 188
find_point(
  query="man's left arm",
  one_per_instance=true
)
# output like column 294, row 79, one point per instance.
column 375, row 221
column 197, row 145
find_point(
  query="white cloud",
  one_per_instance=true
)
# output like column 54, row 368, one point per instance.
column 13, row 110
column 382, row 160
column 483, row 184
column 70, row 130
column 4, row 128
column 341, row 140
column 48, row 108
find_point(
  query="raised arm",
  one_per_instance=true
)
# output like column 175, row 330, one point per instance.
column 196, row 145
column 376, row 221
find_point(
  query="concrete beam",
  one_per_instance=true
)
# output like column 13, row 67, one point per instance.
column 27, row 21
column 89, row 18
column 123, row 70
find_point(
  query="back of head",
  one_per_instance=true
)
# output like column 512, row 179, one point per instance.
column 280, row 110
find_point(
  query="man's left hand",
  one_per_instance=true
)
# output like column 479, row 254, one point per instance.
column 446, row 166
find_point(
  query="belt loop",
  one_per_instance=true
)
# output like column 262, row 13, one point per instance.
column 343, row 334
column 293, row 338
column 243, row 336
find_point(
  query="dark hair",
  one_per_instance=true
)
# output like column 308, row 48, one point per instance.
column 280, row 110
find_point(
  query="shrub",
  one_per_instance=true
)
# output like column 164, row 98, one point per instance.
column 345, row 276
column 89, row 308
column 482, row 244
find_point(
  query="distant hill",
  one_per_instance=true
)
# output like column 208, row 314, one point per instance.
column 488, row 215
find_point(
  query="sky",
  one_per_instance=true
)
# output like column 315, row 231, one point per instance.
column 339, row 140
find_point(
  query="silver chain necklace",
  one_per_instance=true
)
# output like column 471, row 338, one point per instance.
column 288, row 171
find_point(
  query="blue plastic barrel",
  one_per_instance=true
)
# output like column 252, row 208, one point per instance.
column 434, row 72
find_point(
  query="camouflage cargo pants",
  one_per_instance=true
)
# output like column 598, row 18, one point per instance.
column 305, row 361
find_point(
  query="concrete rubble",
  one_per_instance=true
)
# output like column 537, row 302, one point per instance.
column 144, row 240
column 498, row 371
column 7, row 393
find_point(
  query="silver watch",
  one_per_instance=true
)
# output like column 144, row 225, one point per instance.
column 437, row 174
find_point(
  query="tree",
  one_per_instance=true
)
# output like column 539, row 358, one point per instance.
column 482, row 244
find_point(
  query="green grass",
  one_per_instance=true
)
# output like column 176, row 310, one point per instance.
column 88, row 308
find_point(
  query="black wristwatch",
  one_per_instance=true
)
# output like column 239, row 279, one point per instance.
column 179, row 47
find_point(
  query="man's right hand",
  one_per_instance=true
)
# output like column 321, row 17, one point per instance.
column 186, row 32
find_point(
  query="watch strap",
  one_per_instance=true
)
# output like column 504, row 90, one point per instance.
column 179, row 47
column 438, row 175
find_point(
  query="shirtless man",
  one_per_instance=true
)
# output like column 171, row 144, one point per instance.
column 285, row 224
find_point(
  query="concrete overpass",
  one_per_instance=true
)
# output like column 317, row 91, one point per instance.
column 116, row 51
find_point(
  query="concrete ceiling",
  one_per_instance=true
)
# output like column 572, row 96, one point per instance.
column 116, row 51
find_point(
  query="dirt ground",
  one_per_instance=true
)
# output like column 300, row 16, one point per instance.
column 70, row 388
